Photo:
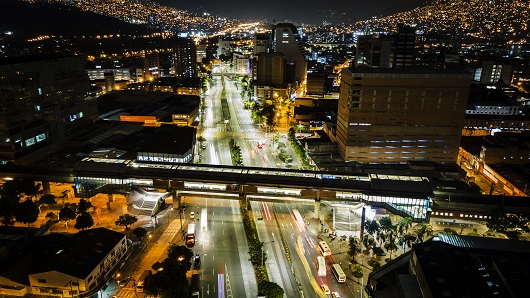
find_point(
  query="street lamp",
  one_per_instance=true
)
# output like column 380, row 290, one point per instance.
column 262, row 250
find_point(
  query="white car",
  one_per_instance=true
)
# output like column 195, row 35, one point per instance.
column 192, row 215
column 335, row 295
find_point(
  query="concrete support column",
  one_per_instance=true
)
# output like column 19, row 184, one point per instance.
column 317, row 208
column 46, row 187
column 244, row 198
column 177, row 199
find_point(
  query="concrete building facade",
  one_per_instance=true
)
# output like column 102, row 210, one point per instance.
column 396, row 115
column 286, row 41
column 185, row 62
column 45, row 101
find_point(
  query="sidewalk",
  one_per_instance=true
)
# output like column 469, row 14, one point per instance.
column 339, row 253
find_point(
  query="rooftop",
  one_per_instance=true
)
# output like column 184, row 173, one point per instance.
column 76, row 255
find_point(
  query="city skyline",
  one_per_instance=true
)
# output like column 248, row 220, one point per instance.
column 314, row 12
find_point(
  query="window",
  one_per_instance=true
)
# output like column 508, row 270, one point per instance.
column 30, row 142
column 41, row 137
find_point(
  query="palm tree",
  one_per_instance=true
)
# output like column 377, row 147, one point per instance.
column 390, row 243
column 423, row 229
column 404, row 224
column 354, row 246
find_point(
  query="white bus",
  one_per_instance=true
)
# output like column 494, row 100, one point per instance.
column 339, row 274
column 204, row 219
column 299, row 220
column 321, row 266
column 324, row 248
column 190, row 237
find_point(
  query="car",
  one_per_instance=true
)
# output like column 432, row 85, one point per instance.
column 335, row 295
column 197, row 261
column 325, row 289
column 192, row 215
column 124, row 281
column 260, row 145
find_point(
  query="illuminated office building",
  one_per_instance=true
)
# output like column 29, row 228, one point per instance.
column 397, row 115
column 185, row 62
column 287, row 42
column 45, row 101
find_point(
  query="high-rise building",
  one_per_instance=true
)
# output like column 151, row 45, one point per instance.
column 375, row 51
column 225, row 47
column 387, row 51
column 287, row 41
column 270, row 69
column 396, row 115
column 44, row 101
column 185, row 58
column 151, row 67
column 261, row 43
column 494, row 72
column 241, row 63
column 404, row 47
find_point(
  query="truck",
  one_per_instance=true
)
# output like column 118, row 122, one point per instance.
column 141, row 280
column 190, row 237
column 195, row 281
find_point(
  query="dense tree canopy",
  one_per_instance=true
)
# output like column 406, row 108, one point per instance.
column 27, row 212
column 173, row 273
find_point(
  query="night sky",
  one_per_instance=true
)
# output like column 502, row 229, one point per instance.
column 306, row 11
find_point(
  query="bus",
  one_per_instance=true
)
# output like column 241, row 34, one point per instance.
column 339, row 274
column 299, row 220
column 190, row 236
column 321, row 266
column 324, row 248
column 141, row 280
column 204, row 219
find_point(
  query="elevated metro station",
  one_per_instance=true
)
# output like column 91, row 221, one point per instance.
column 407, row 196
column 403, row 195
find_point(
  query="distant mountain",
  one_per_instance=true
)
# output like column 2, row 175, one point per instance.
column 27, row 20
column 506, row 20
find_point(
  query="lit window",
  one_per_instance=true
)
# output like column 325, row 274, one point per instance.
column 30, row 142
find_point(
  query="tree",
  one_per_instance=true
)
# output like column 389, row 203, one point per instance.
column 126, row 220
column 386, row 224
column 371, row 227
column 510, row 224
column 357, row 271
column 140, row 232
column 374, row 264
column 369, row 242
column 51, row 215
column 404, row 224
column 46, row 199
column 354, row 247
column 406, row 240
column 27, row 212
column 423, row 229
column 8, row 204
column 12, row 188
column 450, row 231
column 174, row 271
column 84, row 221
column 270, row 289
column 30, row 188
column 67, row 213
column 390, row 243
column 83, row 206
